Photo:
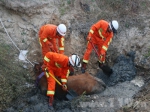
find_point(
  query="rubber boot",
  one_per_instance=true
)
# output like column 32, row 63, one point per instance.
column 83, row 68
column 51, row 99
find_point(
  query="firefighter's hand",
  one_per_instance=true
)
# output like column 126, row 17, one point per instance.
column 82, row 70
column 71, row 71
column 102, row 53
column 43, row 67
column 64, row 87
column 101, row 65
column 50, row 45
column 88, row 38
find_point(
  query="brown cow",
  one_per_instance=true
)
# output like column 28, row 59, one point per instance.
column 85, row 83
column 81, row 83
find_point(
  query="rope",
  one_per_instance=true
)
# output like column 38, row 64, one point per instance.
column 14, row 43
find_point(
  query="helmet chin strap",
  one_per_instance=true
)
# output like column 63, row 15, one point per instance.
column 75, row 62
column 57, row 33
column 69, row 63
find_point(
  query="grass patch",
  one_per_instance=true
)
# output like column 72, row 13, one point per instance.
column 125, row 11
column 148, row 54
column 13, row 77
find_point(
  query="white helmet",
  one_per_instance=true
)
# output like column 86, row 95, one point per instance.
column 114, row 26
column 75, row 60
column 61, row 28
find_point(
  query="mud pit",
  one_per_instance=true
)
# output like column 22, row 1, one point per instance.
column 24, row 18
column 119, row 92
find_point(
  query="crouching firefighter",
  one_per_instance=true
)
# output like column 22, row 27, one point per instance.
column 57, row 65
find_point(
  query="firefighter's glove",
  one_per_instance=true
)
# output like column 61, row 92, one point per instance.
column 43, row 67
column 101, row 65
column 83, row 68
column 102, row 53
column 71, row 71
column 50, row 45
column 88, row 38
column 64, row 87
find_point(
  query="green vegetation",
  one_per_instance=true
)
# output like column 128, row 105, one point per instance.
column 127, row 11
column 62, row 11
column 81, row 98
column 148, row 53
column 12, row 76
column 64, row 6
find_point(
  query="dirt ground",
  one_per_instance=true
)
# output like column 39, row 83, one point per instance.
column 22, row 20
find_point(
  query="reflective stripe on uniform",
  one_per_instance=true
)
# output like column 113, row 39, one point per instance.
column 57, row 65
column 61, row 48
column 100, row 59
column 46, row 59
column 62, row 41
column 109, row 41
column 105, row 48
column 44, row 40
column 91, row 31
column 68, row 72
column 64, row 80
column 100, row 33
column 50, row 92
column 40, row 41
column 47, row 75
column 85, row 61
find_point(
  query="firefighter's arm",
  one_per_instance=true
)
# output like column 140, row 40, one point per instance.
column 45, row 62
column 61, row 45
column 64, row 78
column 49, row 44
column 54, row 45
column 106, row 44
column 90, row 34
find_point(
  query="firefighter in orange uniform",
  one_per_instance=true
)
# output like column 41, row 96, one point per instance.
column 100, row 34
column 48, row 36
column 58, row 65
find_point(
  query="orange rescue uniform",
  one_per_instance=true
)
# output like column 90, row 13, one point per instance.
column 58, row 66
column 48, row 39
column 101, row 38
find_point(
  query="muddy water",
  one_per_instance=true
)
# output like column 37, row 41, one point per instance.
column 123, row 70
column 111, row 99
column 122, row 85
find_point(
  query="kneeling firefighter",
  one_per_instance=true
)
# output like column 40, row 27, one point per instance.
column 57, row 65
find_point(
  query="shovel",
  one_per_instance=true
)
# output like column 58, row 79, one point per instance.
column 106, row 69
column 71, row 94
